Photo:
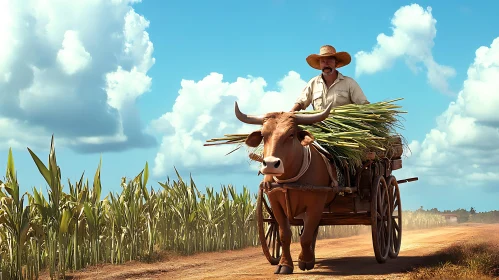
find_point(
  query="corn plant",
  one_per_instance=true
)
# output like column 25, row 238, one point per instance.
column 15, row 220
column 79, row 228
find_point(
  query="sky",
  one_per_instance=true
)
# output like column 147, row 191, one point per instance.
column 133, row 81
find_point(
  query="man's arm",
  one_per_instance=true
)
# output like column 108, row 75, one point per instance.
column 296, row 107
column 356, row 93
column 304, row 99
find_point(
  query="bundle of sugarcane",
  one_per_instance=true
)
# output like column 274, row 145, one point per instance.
column 348, row 133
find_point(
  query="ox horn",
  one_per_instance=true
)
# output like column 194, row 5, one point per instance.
column 313, row 118
column 248, row 119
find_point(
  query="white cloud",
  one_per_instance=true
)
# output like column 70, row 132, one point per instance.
column 414, row 30
column 73, row 57
column 75, row 69
column 21, row 135
column 462, row 149
column 205, row 110
column 125, row 86
column 8, row 42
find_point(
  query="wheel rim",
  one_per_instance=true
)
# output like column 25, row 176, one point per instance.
column 380, row 219
column 268, row 230
column 396, row 213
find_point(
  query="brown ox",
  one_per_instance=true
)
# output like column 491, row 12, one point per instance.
column 286, row 154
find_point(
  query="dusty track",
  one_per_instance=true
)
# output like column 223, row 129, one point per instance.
column 344, row 258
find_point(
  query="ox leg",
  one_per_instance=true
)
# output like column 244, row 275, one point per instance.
column 306, row 260
column 285, row 265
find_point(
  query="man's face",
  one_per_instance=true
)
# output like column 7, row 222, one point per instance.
column 328, row 65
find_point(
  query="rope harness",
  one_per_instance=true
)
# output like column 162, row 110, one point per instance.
column 307, row 159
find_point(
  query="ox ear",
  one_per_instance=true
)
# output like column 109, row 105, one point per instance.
column 254, row 138
column 305, row 137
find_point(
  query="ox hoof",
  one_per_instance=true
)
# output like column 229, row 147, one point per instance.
column 306, row 265
column 282, row 269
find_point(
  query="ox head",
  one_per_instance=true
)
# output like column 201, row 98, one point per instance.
column 283, row 140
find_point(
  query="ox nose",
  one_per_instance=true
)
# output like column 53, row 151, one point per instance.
column 272, row 166
column 272, row 162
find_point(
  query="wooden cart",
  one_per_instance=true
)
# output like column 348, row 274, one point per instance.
column 371, row 197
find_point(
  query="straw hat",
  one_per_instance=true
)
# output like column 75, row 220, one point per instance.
column 342, row 58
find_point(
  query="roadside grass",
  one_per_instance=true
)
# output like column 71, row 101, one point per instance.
column 473, row 259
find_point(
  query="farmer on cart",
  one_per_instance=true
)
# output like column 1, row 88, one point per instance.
column 330, row 86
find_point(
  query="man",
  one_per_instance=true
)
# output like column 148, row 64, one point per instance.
column 331, row 85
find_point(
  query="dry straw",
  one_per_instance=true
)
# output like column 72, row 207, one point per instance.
column 348, row 133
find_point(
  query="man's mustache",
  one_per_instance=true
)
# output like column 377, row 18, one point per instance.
column 330, row 69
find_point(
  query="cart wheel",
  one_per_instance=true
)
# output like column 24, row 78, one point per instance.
column 396, row 210
column 380, row 219
column 268, row 230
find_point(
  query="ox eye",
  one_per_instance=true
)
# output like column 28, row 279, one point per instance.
column 291, row 135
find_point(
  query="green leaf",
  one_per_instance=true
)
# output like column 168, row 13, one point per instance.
column 89, row 215
column 11, row 171
column 97, row 184
column 65, row 219
column 53, row 169
column 41, row 167
column 192, row 216
column 146, row 174
column 25, row 226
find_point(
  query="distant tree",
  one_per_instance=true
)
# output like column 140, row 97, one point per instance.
column 434, row 210
column 472, row 211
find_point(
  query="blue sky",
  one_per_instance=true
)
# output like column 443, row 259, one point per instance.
column 176, row 44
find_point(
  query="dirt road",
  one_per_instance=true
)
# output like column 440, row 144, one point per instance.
column 344, row 258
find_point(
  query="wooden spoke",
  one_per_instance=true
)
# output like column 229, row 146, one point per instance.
column 396, row 217
column 268, row 230
column 380, row 219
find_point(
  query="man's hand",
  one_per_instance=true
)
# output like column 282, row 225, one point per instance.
column 297, row 107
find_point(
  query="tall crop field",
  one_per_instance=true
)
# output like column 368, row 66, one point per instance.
column 75, row 227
